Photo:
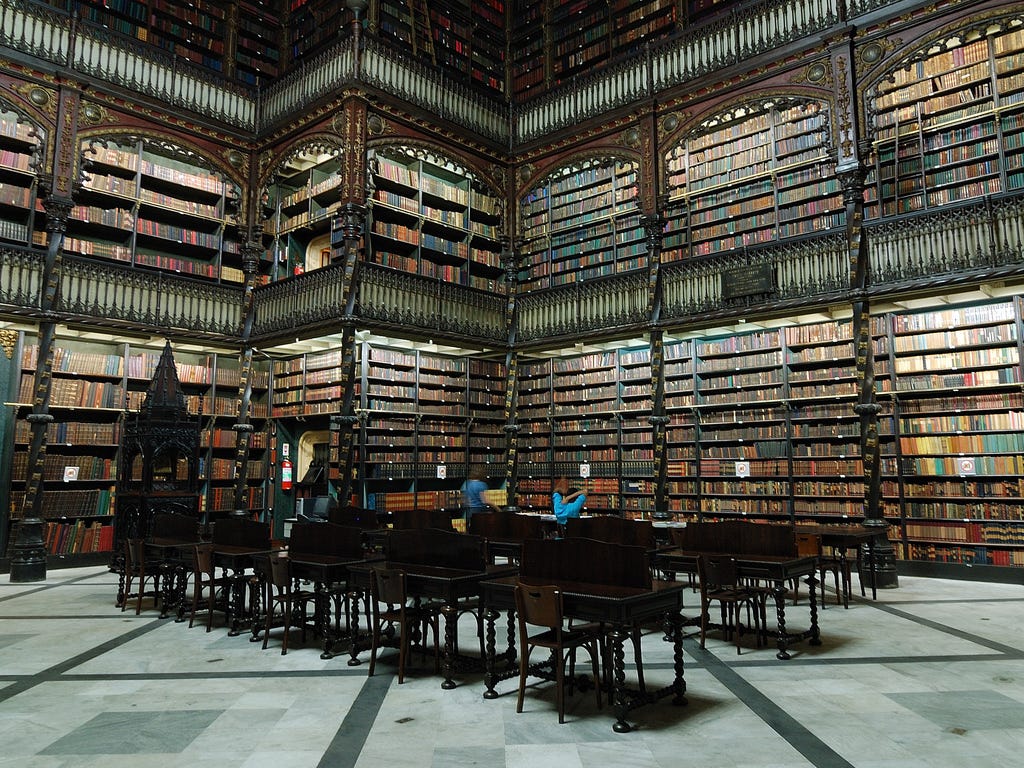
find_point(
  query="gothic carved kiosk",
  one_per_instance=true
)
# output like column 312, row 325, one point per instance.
column 159, row 465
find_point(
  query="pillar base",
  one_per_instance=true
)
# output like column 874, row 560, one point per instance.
column 28, row 554
column 885, row 573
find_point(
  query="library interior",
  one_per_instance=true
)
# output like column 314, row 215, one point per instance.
column 281, row 279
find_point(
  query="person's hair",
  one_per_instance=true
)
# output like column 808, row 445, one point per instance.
column 478, row 472
column 561, row 486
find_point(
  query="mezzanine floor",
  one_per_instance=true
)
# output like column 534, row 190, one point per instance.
column 930, row 675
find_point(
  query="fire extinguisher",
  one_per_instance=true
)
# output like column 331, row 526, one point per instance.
column 286, row 474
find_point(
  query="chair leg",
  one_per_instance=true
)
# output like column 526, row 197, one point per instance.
column 638, row 658
column 560, row 685
column 287, row 626
column 524, row 665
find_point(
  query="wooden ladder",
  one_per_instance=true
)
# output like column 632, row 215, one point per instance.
column 422, row 39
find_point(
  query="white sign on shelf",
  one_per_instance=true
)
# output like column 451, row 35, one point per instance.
column 742, row 469
column 442, row 471
column 285, row 450
column 967, row 466
column 584, row 471
column 70, row 474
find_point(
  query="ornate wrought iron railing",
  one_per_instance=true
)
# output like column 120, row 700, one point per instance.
column 390, row 297
column 602, row 304
column 748, row 30
column 61, row 39
column 982, row 238
column 313, row 299
column 121, row 296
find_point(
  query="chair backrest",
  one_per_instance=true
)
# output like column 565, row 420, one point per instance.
column 387, row 585
column 540, row 606
column 326, row 539
column 492, row 525
column 241, row 532
column 716, row 571
column 134, row 554
column 422, row 518
column 808, row 544
column 553, row 561
column 431, row 546
column 356, row 517
column 736, row 537
column 280, row 573
column 619, row 530
column 202, row 562
column 168, row 525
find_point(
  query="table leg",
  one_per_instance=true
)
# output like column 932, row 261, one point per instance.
column 451, row 620
column 675, row 621
column 618, row 693
column 815, row 632
column 490, row 662
column 782, row 637
column 355, row 596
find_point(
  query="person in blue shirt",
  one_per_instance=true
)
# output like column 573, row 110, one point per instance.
column 566, row 504
column 472, row 492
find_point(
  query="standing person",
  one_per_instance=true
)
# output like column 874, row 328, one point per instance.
column 566, row 504
column 473, row 493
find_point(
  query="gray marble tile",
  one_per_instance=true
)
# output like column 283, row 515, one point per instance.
column 966, row 710
column 133, row 733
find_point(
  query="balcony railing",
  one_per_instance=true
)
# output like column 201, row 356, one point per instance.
column 750, row 29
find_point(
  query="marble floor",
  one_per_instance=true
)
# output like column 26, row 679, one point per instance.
column 932, row 674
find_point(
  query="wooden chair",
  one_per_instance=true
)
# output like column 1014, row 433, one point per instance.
column 422, row 518
column 206, row 584
column 280, row 592
column 136, row 574
column 387, row 589
column 719, row 581
column 541, row 607
column 809, row 545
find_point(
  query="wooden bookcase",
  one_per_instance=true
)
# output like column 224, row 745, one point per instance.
column 466, row 39
column 556, row 41
column 144, row 205
column 751, row 176
column 19, row 153
column 681, row 430
column 431, row 217
column 581, row 222
column 299, row 207
column 954, row 384
column 950, row 127
column 94, row 383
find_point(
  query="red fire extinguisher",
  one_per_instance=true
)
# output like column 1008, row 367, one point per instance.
column 286, row 474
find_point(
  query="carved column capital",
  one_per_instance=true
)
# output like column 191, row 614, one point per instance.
column 852, row 181
column 58, row 211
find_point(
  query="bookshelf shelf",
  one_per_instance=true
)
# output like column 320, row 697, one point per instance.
column 582, row 222
column 432, row 217
column 20, row 148
column 149, row 207
column 750, row 176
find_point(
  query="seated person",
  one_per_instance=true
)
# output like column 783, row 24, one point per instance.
column 565, row 504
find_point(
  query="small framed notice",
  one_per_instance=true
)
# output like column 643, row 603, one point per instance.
column 70, row 474
column 742, row 469
column 967, row 466
column 584, row 471
column 442, row 471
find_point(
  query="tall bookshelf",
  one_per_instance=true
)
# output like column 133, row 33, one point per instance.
column 827, row 472
column 257, row 41
column 535, row 435
column 743, row 462
column 155, row 207
column 94, row 383
column 681, row 429
column 750, row 176
column 582, row 222
column 429, row 216
column 299, row 207
column 949, row 125
column 580, row 36
column 20, row 148
column 955, row 387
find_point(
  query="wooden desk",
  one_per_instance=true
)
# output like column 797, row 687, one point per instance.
column 422, row 581
column 621, row 608
column 326, row 571
column 176, row 556
column 845, row 537
column 778, row 569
